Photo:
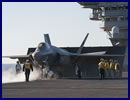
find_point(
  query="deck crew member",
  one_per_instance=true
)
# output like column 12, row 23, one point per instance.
column 112, row 68
column 106, row 68
column 117, row 65
column 117, row 69
column 18, row 68
column 78, row 72
column 26, row 68
column 101, row 68
column 111, row 64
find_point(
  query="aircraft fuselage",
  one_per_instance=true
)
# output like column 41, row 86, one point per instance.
column 51, row 54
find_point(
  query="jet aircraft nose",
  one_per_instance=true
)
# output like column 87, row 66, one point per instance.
column 40, row 57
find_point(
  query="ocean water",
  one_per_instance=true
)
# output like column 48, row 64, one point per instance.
column 9, row 74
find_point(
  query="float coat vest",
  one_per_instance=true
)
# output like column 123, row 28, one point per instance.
column 27, row 66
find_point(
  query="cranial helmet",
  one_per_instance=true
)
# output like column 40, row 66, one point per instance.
column 27, row 60
column 101, row 59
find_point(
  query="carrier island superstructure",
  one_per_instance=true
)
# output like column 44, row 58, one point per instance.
column 113, row 17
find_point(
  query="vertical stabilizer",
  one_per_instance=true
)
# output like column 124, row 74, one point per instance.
column 81, row 46
column 47, row 39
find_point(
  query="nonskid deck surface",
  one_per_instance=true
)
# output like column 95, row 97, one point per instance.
column 67, row 88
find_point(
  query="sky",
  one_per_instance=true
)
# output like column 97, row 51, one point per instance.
column 24, row 23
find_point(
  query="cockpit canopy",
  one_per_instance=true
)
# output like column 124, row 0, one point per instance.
column 41, row 45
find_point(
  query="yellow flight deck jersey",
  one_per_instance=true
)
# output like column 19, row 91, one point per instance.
column 27, row 66
column 101, row 65
column 107, row 65
column 111, row 65
column 117, row 65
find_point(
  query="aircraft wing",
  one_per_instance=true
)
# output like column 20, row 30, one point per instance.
column 93, row 58
column 22, row 58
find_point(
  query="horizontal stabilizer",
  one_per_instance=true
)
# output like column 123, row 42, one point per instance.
column 96, row 53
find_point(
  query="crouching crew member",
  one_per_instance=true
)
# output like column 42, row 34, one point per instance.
column 26, row 68
column 101, row 68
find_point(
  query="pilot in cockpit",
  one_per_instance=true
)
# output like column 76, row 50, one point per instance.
column 41, row 45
